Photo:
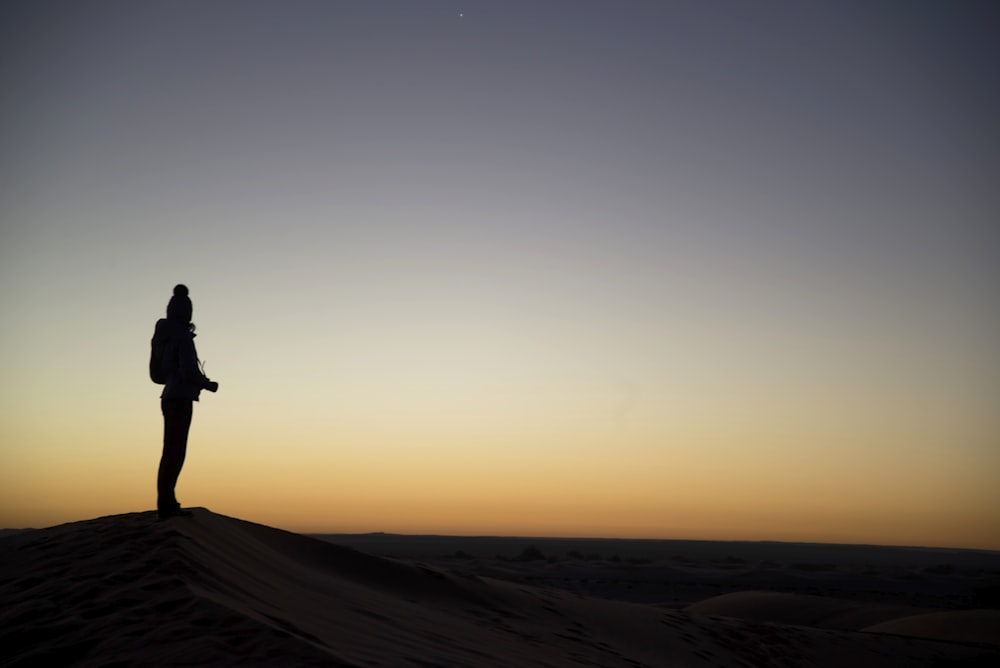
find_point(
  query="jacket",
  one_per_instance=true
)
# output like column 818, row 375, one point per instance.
column 185, row 380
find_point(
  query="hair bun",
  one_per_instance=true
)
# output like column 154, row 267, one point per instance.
column 180, row 290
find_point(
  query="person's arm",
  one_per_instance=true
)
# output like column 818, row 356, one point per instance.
column 188, row 367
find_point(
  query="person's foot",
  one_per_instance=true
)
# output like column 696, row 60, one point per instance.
column 173, row 512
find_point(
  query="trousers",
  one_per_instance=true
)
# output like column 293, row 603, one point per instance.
column 176, row 424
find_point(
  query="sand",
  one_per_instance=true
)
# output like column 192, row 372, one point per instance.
column 211, row 590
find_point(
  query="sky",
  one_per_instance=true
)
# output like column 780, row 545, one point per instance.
column 709, row 270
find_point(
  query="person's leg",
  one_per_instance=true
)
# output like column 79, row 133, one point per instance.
column 176, row 424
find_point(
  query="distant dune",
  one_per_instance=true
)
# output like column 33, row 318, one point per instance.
column 211, row 590
column 971, row 626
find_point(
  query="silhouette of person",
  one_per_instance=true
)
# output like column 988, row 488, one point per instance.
column 184, row 381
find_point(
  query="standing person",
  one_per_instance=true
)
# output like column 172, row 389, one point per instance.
column 174, row 364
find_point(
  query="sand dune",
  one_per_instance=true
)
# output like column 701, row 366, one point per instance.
column 800, row 609
column 216, row 591
column 970, row 626
column 980, row 626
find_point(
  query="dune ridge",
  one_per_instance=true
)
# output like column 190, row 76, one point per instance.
column 212, row 590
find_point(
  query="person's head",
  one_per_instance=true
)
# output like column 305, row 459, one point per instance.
column 179, row 309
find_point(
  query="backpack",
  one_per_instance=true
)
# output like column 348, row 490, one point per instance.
column 159, row 366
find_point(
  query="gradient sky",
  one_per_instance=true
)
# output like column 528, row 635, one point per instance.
column 718, row 270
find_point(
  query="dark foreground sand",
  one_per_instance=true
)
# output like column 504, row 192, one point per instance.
column 216, row 591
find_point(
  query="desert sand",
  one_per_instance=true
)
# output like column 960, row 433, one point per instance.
column 211, row 590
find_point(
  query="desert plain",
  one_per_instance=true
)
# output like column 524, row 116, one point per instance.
column 211, row 590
